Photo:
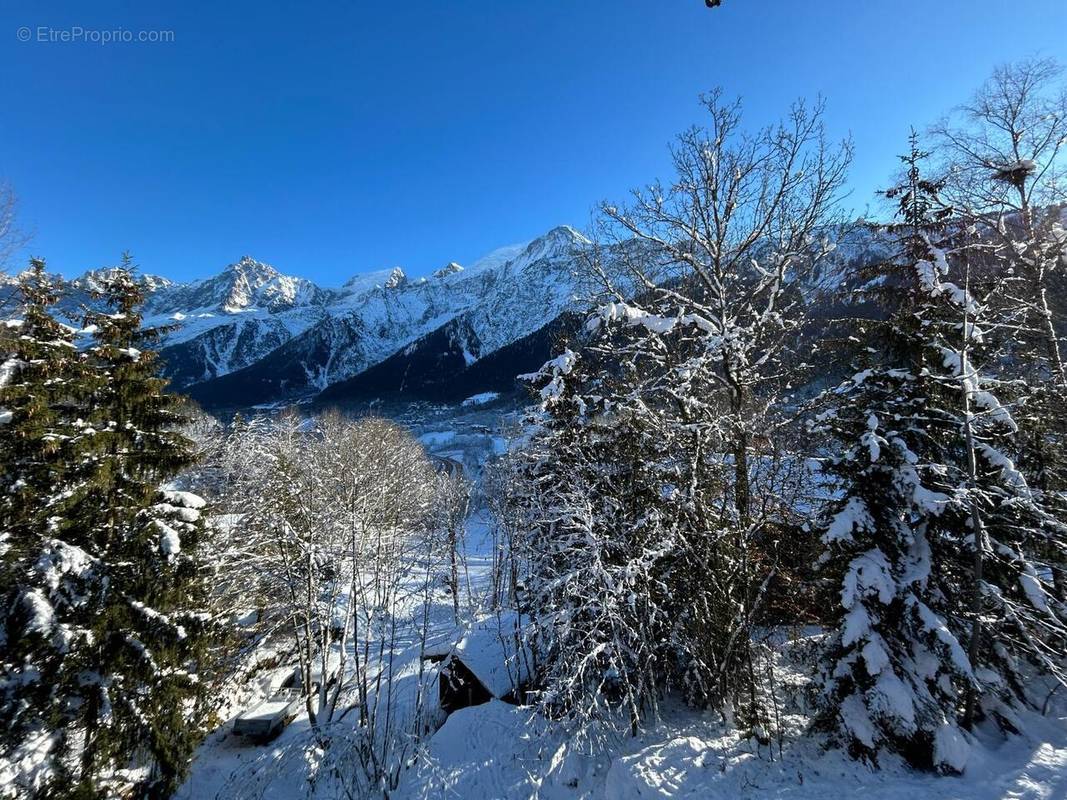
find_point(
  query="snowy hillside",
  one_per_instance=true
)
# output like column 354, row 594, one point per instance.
column 272, row 336
column 501, row 751
column 500, row 298
column 253, row 335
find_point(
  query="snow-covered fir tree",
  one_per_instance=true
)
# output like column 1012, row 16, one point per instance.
column 111, row 577
column 933, row 534
column 39, row 363
column 600, row 548
column 37, row 380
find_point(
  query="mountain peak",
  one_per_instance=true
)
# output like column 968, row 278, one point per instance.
column 563, row 240
column 247, row 265
column 243, row 285
column 396, row 279
column 451, row 268
column 242, row 280
column 566, row 233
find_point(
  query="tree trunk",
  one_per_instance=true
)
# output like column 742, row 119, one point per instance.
column 742, row 491
column 453, row 545
column 1052, row 342
column 978, row 529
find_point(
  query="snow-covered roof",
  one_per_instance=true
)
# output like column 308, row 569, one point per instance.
column 269, row 709
column 481, row 399
column 489, row 650
column 441, row 644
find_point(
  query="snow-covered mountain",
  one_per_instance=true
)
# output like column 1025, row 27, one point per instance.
column 253, row 335
column 499, row 299
column 243, row 286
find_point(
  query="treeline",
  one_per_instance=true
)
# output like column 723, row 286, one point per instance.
column 687, row 483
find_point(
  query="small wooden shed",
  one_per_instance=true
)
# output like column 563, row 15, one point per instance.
column 487, row 660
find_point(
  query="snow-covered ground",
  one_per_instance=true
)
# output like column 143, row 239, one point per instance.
column 497, row 750
column 231, row 766
column 500, row 751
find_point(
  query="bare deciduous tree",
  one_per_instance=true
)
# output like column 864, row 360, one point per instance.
column 1004, row 154
column 452, row 500
column 725, row 246
column 327, row 517
column 659, row 489
column 12, row 236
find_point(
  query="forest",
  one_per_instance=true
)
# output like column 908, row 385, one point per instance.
column 796, row 473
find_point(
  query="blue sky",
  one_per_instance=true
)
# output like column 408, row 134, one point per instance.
column 331, row 138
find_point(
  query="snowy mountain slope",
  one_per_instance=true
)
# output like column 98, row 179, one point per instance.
column 92, row 281
column 433, row 368
column 243, row 285
column 288, row 370
column 509, row 294
column 253, row 335
column 417, row 370
column 213, row 326
column 232, row 320
column 295, row 338
column 219, row 349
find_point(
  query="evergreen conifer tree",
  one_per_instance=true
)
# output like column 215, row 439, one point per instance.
column 39, row 377
column 115, row 584
column 38, row 358
column 600, row 546
column 892, row 670
column 149, row 634
column 925, row 471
